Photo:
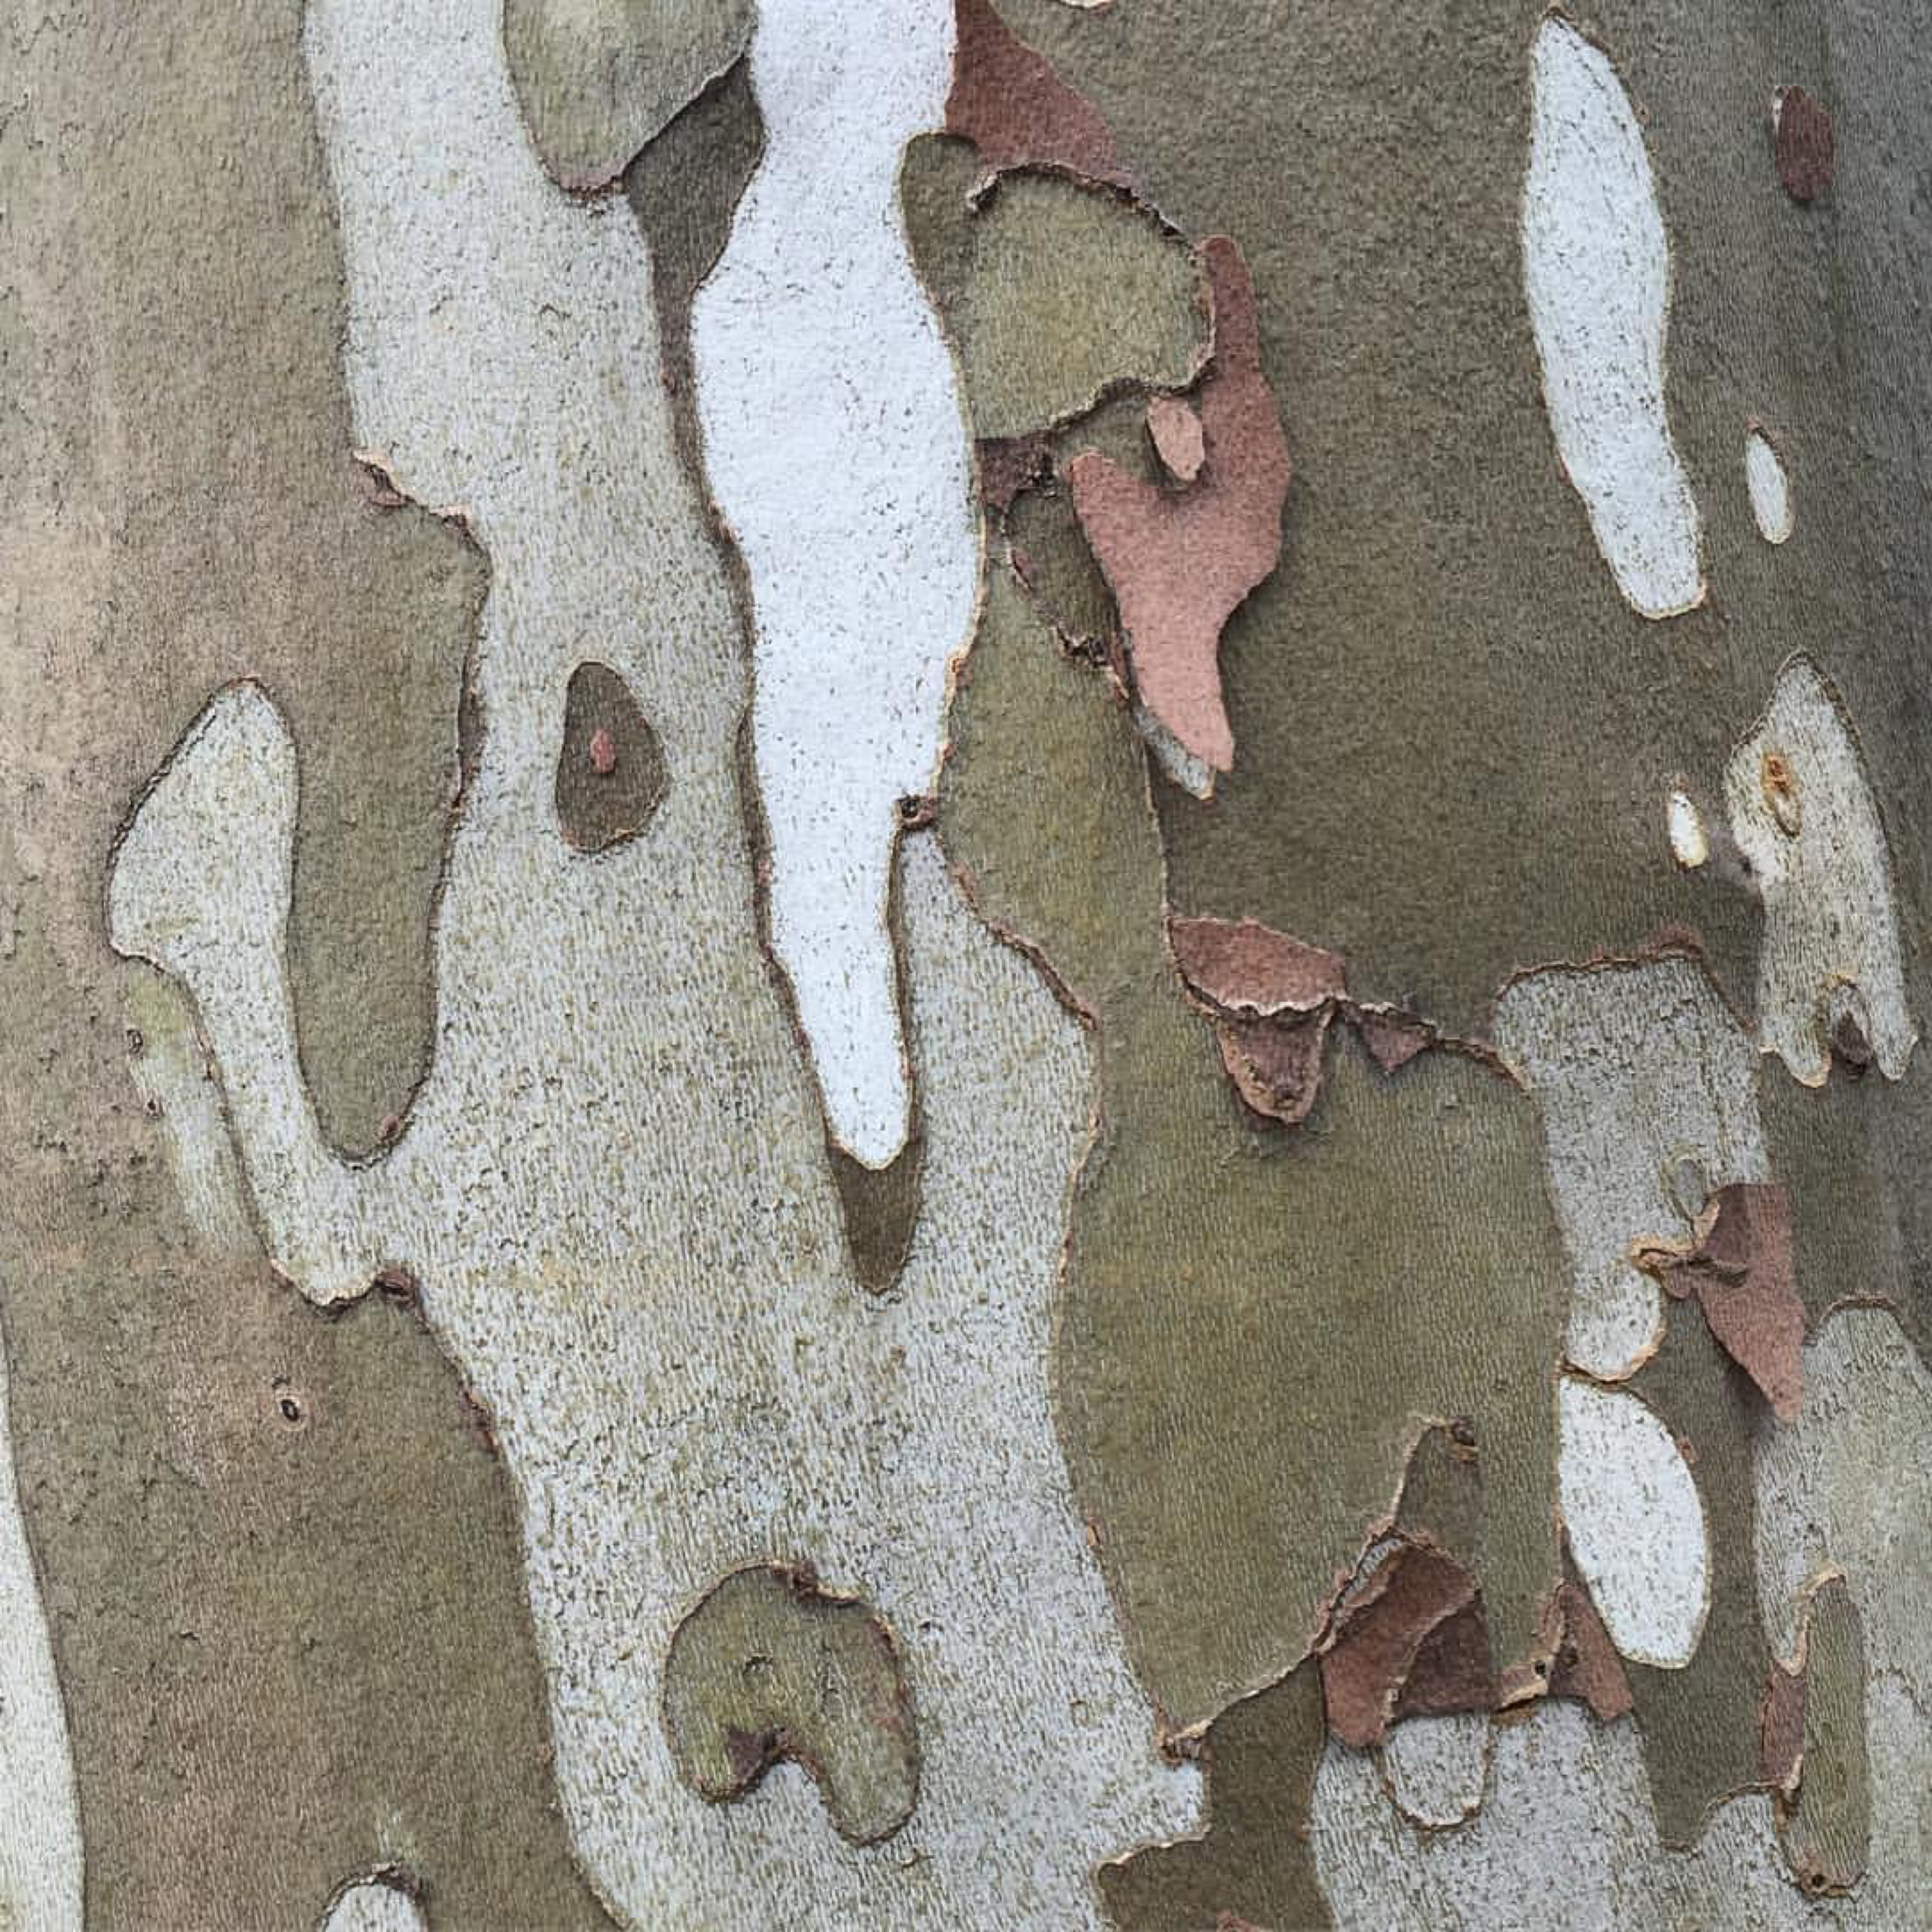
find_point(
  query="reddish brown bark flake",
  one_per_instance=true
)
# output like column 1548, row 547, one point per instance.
column 1276, row 1065
column 1181, row 563
column 1587, row 1666
column 1451, row 1672
column 1178, row 439
column 1781, row 1728
column 1392, row 1039
column 1803, row 141
column 1008, row 463
column 1378, row 1635
column 1249, row 968
column 1007, row 100
column 1744, row 1272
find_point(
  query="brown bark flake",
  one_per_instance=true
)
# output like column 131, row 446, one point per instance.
column 1802, row 140
column 1007, row 100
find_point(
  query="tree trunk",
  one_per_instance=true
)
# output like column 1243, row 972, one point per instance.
column 960, row 964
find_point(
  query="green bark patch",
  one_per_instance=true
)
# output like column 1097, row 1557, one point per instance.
column 1826, row 1827
column 768, row 1667
column 596, row 80
column 1052, row 290
column 1700, row 1725
column 1254, row 1866
column 1256, row 1324
column 611, row 770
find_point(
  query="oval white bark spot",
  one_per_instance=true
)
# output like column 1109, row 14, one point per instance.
column 1636, row 1522
column 1596, row 269
column 1770, row 488
column 375, row 1906
column 1690, row 846
column 839, row 453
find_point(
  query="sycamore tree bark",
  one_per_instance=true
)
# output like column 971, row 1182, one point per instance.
column 961, row 963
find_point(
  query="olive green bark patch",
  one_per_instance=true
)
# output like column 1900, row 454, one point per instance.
column 880, row 1208
column 769, row 1666
column 1256, row 1324
column 1852, row 1154
column 611, row 772
column 1253, row 1867
column 683, row 189
column 1827, row 1828
column 597, row 79
column 1052, row 557
column 1051, row 289
column 1700, row 1725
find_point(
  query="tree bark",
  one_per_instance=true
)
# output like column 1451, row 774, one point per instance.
column 960, row 964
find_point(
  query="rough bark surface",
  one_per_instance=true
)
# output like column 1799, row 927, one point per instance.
column 961, row 965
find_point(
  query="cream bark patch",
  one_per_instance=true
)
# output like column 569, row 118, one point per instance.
column 838, row 453
column 1769, row 488
column 375, row 1905
column 1596, row 271
column 1803, row 816
column 1646, row 1088
column 1636, row 1527
column 39, row 1818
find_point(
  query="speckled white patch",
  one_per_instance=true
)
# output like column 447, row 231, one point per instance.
column 1804, row 818
column 1637, row 1525
column 375, row 1906
column 613, row 1187
column 1770, row 488
column 1646, row 1086
column 1596, row 271
column 40, row 1817
column 1689, row 844
column 839, row 454
column 1436, row 1767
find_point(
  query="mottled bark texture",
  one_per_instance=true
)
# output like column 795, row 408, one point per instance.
column 960, row 965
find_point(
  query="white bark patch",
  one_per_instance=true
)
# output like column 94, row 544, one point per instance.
column 837, row 451
column 1804, row 818
column 1596, row 268
column 1436, row 1767
column 375, row 1906
column 1646, row 1088
column 39, row 1816
column 1770, row 488
column 1690, row 844
column 613, row 1188
column 1636, row 1523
